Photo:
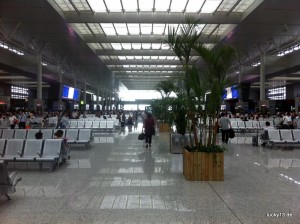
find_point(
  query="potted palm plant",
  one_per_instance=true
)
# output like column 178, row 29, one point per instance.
column 203, row 159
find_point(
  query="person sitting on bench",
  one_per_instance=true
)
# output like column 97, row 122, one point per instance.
column 264, row 136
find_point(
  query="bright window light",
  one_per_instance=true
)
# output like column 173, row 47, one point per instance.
column 97, row 5
column 154, row 57
column 106, row 46
column 134, row 28
column 108, row 28
column 126, row 46
column 113, row 5
column 138, row 57
column 162, row 6
column 95, row 27
column 126, row 66
column 194, row 5
column 159, row 66
column 158, row 29
column 170, row 57
column 226, row 6
column 210, row 6
column 165, row 47
column 243, row 5
column 130, row 5
column 146, row 46
column 166, row 66
column 146, row 28
column 146, row 57
column 178, row 5
column 146, row 5
column 162, row 57
column 83, row 29
column 156, row 46
column 122, row 57
column 116, row 46
column 172, row 26
column 121, row 28
column 137, row 46
column 130, row 57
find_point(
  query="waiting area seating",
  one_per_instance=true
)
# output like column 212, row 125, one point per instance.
column 76, row 136
column 32, row 150
column 248, row 126
column 284, row 136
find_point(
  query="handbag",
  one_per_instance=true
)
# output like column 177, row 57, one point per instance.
column 141, row 136
column 231, row 133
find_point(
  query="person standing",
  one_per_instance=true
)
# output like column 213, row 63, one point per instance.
column 22, row 120
column 149, row 129
column 12, row 120
column 225, row 125
column 64, row 122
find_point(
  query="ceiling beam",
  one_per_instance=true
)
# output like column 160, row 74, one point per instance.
column 140, row 39
column 146, row 69
column 147, row 17
column 142, row 62
column 138, row 52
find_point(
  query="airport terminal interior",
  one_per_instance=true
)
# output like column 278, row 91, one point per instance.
column 78, row 79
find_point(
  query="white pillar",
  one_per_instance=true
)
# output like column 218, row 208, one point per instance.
column 241, row 71
column 39, row 77
column 262, row 77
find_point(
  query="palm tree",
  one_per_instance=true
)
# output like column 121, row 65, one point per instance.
column 219, row 61
column 182, row 42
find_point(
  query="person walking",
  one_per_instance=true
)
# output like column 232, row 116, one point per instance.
column 149, row 129
column 225, row 125
column 12, row 120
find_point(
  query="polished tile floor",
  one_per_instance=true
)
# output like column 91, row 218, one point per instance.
column 118, row 180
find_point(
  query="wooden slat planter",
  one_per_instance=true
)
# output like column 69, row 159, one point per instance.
column 203, row 166
column 164, row 127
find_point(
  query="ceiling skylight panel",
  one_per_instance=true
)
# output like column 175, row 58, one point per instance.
column 106, row 46
column 166, row 66
column 146, row 5
column 133, row 28
column 146, row 46
column 83, row 29
column 126, row 66
column 132, row 66
column 121, row 28
column 146, row 28
column 173, row 66
column 171, row 27
column 130, row 57
column 108, row 28
column 178, row 5
column 221, row 29
column 162, row 57
column 116, row 46
column 126, row 46
column 65, row 5
column 136, row 46
column 227, row 5
column 130, row 5
column 113, row 5
column 104, row 58
column 159, row 66
column 146, row 57
column 165, row 47
column 209, row 28
column 81, row 5
column 95, row 27
column 156, row 46
column 95, row 46
column 194, row 5
column 154, row 57
column 162, row 6
column 138, row 57
column 158, row 29
column 122, row 57
column 114, row 57
column 170, row 57
column 243, row 5
column 152, row 66
column 210, row 6
column 97, row 5
column 199, row 27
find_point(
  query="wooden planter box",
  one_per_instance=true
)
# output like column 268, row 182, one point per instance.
column 203, row 166
column 164, row 127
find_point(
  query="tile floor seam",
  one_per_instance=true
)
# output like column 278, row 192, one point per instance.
column 231, row 210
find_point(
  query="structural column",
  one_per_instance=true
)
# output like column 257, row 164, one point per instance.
column 241, row 71
column 262, row 95
column 39, row 77
column 98, row 97
column 84, row 95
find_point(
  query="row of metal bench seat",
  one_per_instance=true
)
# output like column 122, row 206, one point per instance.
column 32, row 150
column 248, row 125
column 100, row 124
column 284, row 136
column 79, row 136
